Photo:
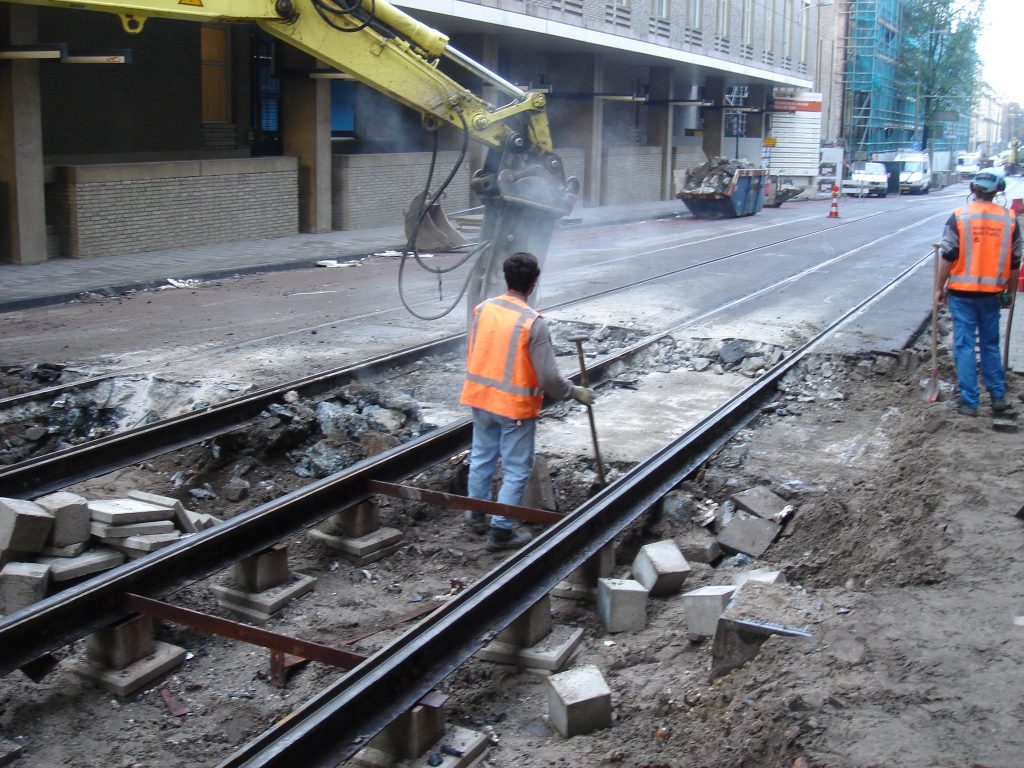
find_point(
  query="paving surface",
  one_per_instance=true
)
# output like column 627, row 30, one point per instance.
column 61, row 280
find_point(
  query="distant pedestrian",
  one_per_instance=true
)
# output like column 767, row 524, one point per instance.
column 981, row 251
column 510, row 366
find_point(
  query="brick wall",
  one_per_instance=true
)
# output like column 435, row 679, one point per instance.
column 375, row 190
column 631, row 175
column 103, row 210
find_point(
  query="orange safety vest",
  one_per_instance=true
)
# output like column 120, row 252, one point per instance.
column 499, row 373
column 986, row 236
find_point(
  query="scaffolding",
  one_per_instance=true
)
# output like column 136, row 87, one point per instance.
column 880, row 110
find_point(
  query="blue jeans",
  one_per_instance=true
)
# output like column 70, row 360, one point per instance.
column 512, row 440
column 977, row 317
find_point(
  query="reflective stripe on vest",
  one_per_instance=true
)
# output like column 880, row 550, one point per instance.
column 986, row 232
column 499, row 373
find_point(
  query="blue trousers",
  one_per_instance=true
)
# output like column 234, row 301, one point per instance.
column 977, row 318
column 511, row 440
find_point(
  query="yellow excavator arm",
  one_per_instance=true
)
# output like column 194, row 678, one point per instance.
column 522, row 184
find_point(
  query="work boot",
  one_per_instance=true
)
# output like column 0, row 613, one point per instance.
column 499, row 539
column 965, row 410
column 477, row 522
column 999, row 405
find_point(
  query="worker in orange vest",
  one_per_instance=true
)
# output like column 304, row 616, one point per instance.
column 510, row 366
column 981, row 251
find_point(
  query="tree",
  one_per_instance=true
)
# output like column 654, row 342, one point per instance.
column 939, row 55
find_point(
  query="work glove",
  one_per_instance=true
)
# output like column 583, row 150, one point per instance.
column 583, row 395
column 1005, row 299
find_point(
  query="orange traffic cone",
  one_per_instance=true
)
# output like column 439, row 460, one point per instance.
column 833, row 211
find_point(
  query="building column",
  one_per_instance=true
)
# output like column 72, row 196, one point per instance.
column 306, row 134
column 593, row 141
column 659, row 123
column 714, row 117
column 22, row 197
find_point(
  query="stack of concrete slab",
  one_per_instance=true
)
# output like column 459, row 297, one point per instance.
column 62, row 536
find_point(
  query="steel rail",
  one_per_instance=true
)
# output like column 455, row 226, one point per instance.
column 57, row 620
column 334, row 725
column 53, row 622
column 37, row 476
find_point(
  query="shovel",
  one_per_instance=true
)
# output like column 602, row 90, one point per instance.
column 1009, row 327
column 931, row 393
column 579, row 339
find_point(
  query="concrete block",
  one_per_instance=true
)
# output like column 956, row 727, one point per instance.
column 760, row 501
column 622, row 604
column 24, row 525
column 579, row 701
column 466, row 748
column 582, row 583
column 748, row 534
column 70, row 518
column 9, row 751
column 91, row 561
column 554, row 653
column 107, row 531
column 126, row 681
column 127, row 511
column 413, row 732
column 531, row 627
column 69, row 550
column 757, row 612
column 118, row 645
column 762, row 575
column 257, row 607
column 151, row 542
column 699, row 546
column 200, row 521
column 660, row 567
column 704, row 606
column 354, row 522
column 180, row 513
column 263, row 570
column 364, row 549
column 22, row 584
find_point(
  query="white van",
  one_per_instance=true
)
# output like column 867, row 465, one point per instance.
column 967, row 164
column 915, row 172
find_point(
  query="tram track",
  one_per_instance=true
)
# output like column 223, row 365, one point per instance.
column 334, row 725
column 51, row 392
column 39, row 475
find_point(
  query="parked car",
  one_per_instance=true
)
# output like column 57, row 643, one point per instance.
column 870, row 180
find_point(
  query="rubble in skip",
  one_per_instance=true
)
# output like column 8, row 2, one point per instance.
column 712, row 176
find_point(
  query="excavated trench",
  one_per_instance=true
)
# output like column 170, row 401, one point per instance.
column 226, row 685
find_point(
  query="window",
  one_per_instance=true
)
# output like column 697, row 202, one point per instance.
column 215, row 73
column 660, row 9
column 693, row 20
column 724, row 11
column 803, row 21
column 787, row 28
column 769, row 27
column 748, row 22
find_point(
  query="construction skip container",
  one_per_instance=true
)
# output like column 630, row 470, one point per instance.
column 744, row 196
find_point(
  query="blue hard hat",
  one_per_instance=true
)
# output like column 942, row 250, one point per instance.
column 988, row 180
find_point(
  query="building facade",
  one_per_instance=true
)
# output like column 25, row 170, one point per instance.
column 201, row 132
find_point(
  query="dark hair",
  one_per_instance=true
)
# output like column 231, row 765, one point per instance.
column 983, row 194
column 521, row 271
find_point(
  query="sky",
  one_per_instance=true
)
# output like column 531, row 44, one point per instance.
column 1000, row 47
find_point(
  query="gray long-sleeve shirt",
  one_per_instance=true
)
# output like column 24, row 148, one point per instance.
column 542, row 355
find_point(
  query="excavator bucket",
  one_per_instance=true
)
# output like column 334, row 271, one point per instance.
column 433, row 230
